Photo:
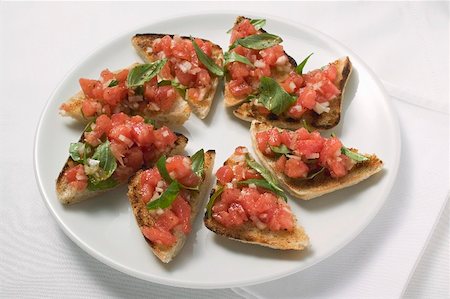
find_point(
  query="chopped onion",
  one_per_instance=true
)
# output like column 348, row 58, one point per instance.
column 320, row 108
column 281, row 60
column 260, row 64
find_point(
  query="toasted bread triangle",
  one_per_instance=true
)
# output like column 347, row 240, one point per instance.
column 229, row 99
column 143, row 45
column 177, row 115
column 320, row 184
column 144, row 218
column 68, row 195
column 249, row 233
column 249, row 111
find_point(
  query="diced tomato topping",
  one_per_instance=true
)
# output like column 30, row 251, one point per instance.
column 243, row 29
column 180, row 169
column 239, row 88
column 106, row 75
column 225, row 174
column 90, row 108
column 142, row 134
column 134, row 158
column 182, row 209
column 88, row 87
column 114, row 95
column 295, row 168
column 271, row 55
column 76, row 177
column 164, row 137
column 280, row 164
column 158, row 236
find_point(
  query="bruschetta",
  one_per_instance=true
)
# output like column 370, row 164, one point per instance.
column 246, row 62
column 307, row 164
column 166, row 199
column 141, row 89
column 246, row 205
column 109, row 152
column 194, row 63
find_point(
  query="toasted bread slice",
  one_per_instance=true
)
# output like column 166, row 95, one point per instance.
column 296, row 239
column 145, row 218
column 230, row 100
column 177, row 115
column 143, row 43
column 327, row 120
column 69, row 195
column 321, row 184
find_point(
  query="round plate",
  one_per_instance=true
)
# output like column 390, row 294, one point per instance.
column 105, row 226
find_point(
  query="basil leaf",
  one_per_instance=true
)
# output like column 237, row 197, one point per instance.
column 315, row 173
column 108, row 163
column 230, row 57
column 113, row 83
column 161, row 165
column 273, row 97
column 282, row 149
column 258, row 23
column 264, row 184
column 207, row 61
column 166, row 198
column 74, row 151
column 307, row 126
column 181, row 89
column 212, row 199
column 299, row 68
column 259, row 41
column 144, row 72
column 352, row 155
column 102, row 185
column 150, row 121
column 264, row 172
column 198, row 162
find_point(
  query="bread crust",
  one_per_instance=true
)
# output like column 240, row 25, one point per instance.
column 229, row 99
column 249, row 233
column 177, row 115
column 144, row 218
column 68, row 195
column 249, row 111
column 322, row 183
column 143, row 42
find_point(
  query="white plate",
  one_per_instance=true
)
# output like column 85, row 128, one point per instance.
column 105, row 226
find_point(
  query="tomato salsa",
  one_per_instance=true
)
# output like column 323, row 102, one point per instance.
column 183, row 64
column 304, row 153
column 129, row 141
column 247, row 203
column 177, row 215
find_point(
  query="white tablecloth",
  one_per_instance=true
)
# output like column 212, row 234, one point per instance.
column 406, row 44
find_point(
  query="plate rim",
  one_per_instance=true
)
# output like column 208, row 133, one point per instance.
column 207, row 285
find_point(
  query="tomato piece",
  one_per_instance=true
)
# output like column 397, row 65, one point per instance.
column 307, row 98
column 122, row 75
column 280, row 164
column 158, row 236
column 103, row 124
column 182, row 210
column 90, row 108
column 114, row 95
column 142, row 134
column 134, row 158
column 225, row 174
column 262, row 140
column 295, row 168
column 179, row 167
column 239, row 88
column 274, row 137
column 238, row 70
column 91, row 87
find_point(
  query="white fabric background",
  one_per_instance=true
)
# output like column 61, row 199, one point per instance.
column 406, row 44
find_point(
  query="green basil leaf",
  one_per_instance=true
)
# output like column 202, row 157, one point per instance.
column 166, row 198
column 273, row 97
column 75, row 149
column 109, row 183
column 233, row 56
column 181, row 89
column 108, row 163
column 282, row 149
column 258, row 23
column 144, row 72
column 207, row 61
column 264, row 184
column 315, row 173
column 113, row 83
column 161, row 165
column 307, row 126
column 198, row 162
column 259, row 41
column 212, row 199
column 150, row 121
column 299, row 68
column 352, row 155
column 264, row 172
